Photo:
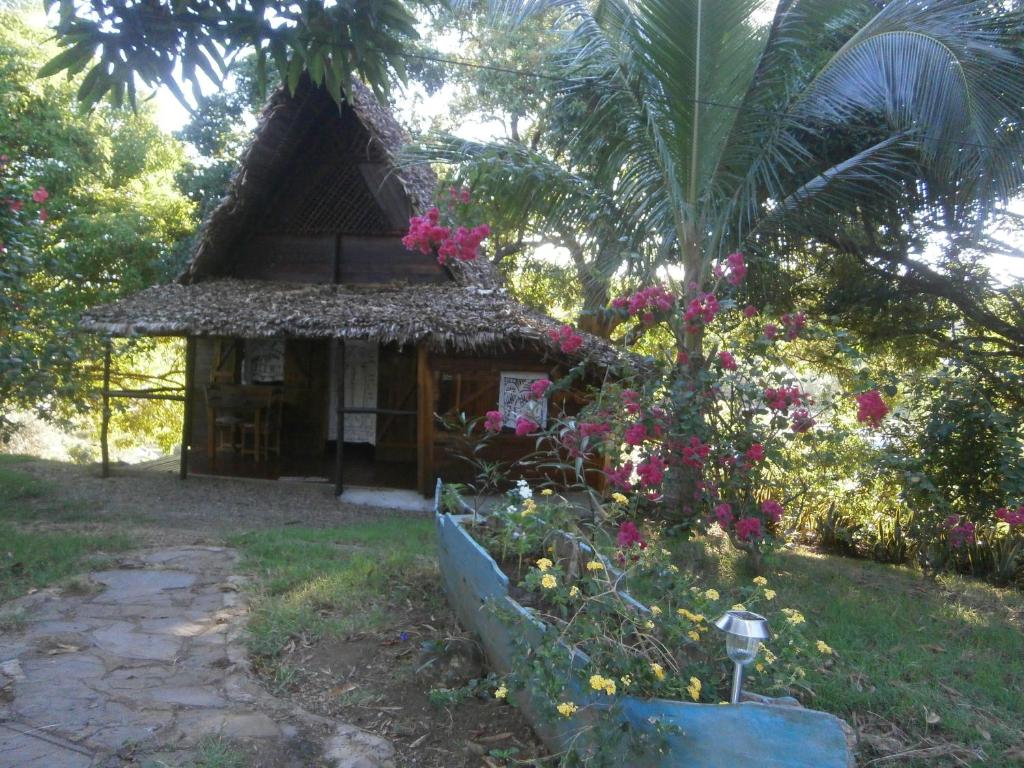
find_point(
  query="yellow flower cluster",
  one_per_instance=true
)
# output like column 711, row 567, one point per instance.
column 761, row 581
column 626, row 681
column 567, row 709
column 694, row 688
column 529, row 507
column 546, row 492
column 648, row 625
column 793, row 616
column 544, row 563
column 739, row 607
column 600, row 683
column 619, row 498
column 658, row 670
column 824, row 648
column 548, row 581
column 595, row 565
column 712, row 594
column 769, row 594
column 501, row 693
column 655, row 610
column 696, row 618
column 769, row 657
column 694, row 635
column 574, row 591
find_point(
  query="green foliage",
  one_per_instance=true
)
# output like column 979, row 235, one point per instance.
column 114, row 213
column 115, row 44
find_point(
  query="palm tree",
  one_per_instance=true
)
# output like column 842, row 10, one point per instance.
column 694, row 128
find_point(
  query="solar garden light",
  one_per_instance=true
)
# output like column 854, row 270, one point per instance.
column 744, row 632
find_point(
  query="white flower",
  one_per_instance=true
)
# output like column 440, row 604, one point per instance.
column 523, row 489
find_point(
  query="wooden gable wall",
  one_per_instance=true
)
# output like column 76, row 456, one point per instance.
column 336, row 213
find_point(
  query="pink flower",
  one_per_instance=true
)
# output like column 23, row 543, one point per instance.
column 43, row 213
column 40, row 195
column 525, row 426
column 723, row 513
column 647, row 302
column 493, row 421
column 755, row 452
column 652, row 471
column 589, row 429
column 15, row 205
column 802, row 420
column 566, row 338
column 636, row 434
column 695, row 453
column 771, row 330
column 748, row 528
column 782, row 398
column 631, row 400
column 682, row 357
column 727, row 361
column 620, row 477
column 1011, row 517
column 749, row 311
column 700, row 310
column 772, row 510
column 794, row 324
column 871, row 409
column 737, row 268
column 629, row 535
column 538, row 388
column 960, row 531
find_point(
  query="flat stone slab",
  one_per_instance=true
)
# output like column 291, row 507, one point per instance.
column 149, row 660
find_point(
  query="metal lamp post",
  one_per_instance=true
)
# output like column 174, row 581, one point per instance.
column 744, row 632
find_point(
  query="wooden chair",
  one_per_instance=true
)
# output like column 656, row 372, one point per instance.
column 263, row 424
column 224, row 417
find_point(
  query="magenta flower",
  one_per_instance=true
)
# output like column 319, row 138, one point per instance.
column 871, row 409
column 772, row 509
column 636, row 434
column 40, row 195
column 651, row 471
column 748, row 528
column 525, row 426
column 723, row 514
column 629, row 535
column 493, row 421
column 755, row 452
column 750, row 311
column 727, row 361
column 621, row 477
column 538, row 388
column 566, row 338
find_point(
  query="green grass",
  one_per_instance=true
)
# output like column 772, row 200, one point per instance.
column 215, row 752
column 312, row 582
column 37, row 558
column 906, row 646
column 25, row 498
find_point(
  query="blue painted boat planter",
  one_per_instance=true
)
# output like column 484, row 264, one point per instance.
column 704, row 736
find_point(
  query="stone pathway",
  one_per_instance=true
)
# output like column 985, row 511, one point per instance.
column 134, row 666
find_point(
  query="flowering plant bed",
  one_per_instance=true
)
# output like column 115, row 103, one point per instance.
column 603, row 677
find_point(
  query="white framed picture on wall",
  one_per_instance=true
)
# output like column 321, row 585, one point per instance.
column 515, row 399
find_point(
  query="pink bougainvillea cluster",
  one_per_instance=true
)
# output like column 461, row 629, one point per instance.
column 959, row 531
column 566, row 338
column 427, row 235
column 1011, row 517
column 871, row 409
column 647, row 303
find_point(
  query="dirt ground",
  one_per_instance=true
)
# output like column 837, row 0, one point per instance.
column 200, row 510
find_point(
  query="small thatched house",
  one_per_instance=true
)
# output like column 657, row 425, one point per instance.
column 303, row 311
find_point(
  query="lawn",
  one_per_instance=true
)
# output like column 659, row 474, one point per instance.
column 928, row 672
column 316, row 581
column 33, row 555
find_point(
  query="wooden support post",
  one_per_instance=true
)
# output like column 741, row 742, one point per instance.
column 339, row 374
column 105, row 416
column 424, row 422
column 186, row 422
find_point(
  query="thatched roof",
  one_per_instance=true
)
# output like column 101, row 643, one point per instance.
column 285, row 130
column 449, row 317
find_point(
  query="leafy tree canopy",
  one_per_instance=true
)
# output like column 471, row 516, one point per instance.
column 112, row 214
